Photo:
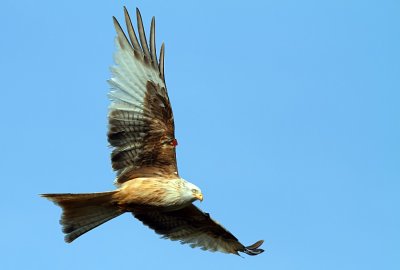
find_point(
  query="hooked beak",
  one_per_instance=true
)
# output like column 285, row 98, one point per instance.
column 199, row 197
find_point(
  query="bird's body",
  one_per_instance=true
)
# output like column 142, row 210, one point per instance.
column 142, row 134
column 170, row 194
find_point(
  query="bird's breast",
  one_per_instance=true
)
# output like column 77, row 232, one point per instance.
column 151, row 192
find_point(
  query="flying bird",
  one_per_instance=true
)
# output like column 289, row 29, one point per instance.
column 141, row 132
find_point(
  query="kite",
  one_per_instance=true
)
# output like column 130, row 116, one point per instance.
column 141, row 132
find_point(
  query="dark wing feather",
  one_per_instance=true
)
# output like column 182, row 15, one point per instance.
column 192, row 226
column 141, row 123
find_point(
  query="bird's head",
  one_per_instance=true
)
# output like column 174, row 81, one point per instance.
column 194, row 191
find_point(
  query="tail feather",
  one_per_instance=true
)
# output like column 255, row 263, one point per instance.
column 84, row 212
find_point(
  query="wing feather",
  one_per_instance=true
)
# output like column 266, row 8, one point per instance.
column 161, row 65
column 142, row 36
column 131, row 33
column 153, row 43
column 192, row 226
column 141, row 123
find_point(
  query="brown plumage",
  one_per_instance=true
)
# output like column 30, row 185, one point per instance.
column 192, row 226
column 142, row 134
column 84, row 212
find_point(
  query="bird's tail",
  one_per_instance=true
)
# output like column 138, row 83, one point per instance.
column 84, row 212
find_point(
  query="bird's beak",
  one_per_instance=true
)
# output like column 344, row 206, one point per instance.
column 199, row 197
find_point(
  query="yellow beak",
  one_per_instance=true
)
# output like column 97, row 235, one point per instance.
column 199, row 196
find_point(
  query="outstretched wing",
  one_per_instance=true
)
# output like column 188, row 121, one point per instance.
column 192, row 226
column 141, row 123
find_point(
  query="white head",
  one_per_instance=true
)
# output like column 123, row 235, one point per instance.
column 192, row 192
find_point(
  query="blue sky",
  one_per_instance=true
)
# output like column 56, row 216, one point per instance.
column 287, row 116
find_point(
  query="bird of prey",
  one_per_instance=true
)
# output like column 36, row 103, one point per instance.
column 141, row 132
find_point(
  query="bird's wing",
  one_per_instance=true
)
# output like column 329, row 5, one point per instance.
column 192, row 226
column 141, row 123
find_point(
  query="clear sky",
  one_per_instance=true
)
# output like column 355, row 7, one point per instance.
column 287, row 116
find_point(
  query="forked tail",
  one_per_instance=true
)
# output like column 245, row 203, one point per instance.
column 84, row 212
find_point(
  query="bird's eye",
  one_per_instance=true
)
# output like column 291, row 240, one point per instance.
column 194, row 191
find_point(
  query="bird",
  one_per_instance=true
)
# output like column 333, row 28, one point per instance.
column 141, row 132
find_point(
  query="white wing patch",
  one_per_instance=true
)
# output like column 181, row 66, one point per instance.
column 129, row 79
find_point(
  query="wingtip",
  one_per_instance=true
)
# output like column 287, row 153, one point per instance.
column 117, row 26
column 256, row 244
column 254, row 249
